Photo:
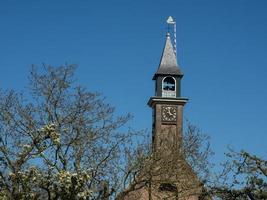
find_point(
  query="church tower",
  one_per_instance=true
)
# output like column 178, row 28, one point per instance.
column 165, row 174
column 167, row 104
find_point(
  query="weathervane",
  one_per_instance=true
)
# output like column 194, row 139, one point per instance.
column 170, row 22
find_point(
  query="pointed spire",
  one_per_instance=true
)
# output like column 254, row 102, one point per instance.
column 168, row 63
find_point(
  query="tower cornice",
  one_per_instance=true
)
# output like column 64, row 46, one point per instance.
column 163, row 100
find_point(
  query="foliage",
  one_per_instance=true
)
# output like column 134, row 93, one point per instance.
column 62, row 142
column 244, row 177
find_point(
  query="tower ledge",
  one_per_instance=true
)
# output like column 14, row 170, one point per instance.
column 163, row 100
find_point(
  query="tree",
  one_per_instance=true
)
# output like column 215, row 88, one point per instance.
column 197, row 150
column 244, row 177
column 59, row 141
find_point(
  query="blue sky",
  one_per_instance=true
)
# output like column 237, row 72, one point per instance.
column 222, row 50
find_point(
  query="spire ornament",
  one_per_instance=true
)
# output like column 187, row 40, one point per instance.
column 170, row 21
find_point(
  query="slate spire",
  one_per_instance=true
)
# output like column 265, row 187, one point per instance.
column 168, row 62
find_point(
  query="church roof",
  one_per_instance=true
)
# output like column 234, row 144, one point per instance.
column 168, row 63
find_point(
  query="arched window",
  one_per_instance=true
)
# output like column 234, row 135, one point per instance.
column 168, row 87
column 167, row 187
column 169, row 84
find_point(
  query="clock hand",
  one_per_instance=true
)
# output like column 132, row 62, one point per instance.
column 169, row 112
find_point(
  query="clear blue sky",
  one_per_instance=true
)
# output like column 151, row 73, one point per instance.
column 222, row 50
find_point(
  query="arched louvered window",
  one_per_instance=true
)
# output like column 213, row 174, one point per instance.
column 168, row 87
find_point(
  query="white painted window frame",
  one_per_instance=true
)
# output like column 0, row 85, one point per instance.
column 165, row 93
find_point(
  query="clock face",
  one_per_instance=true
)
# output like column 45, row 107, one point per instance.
column 169, row 113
